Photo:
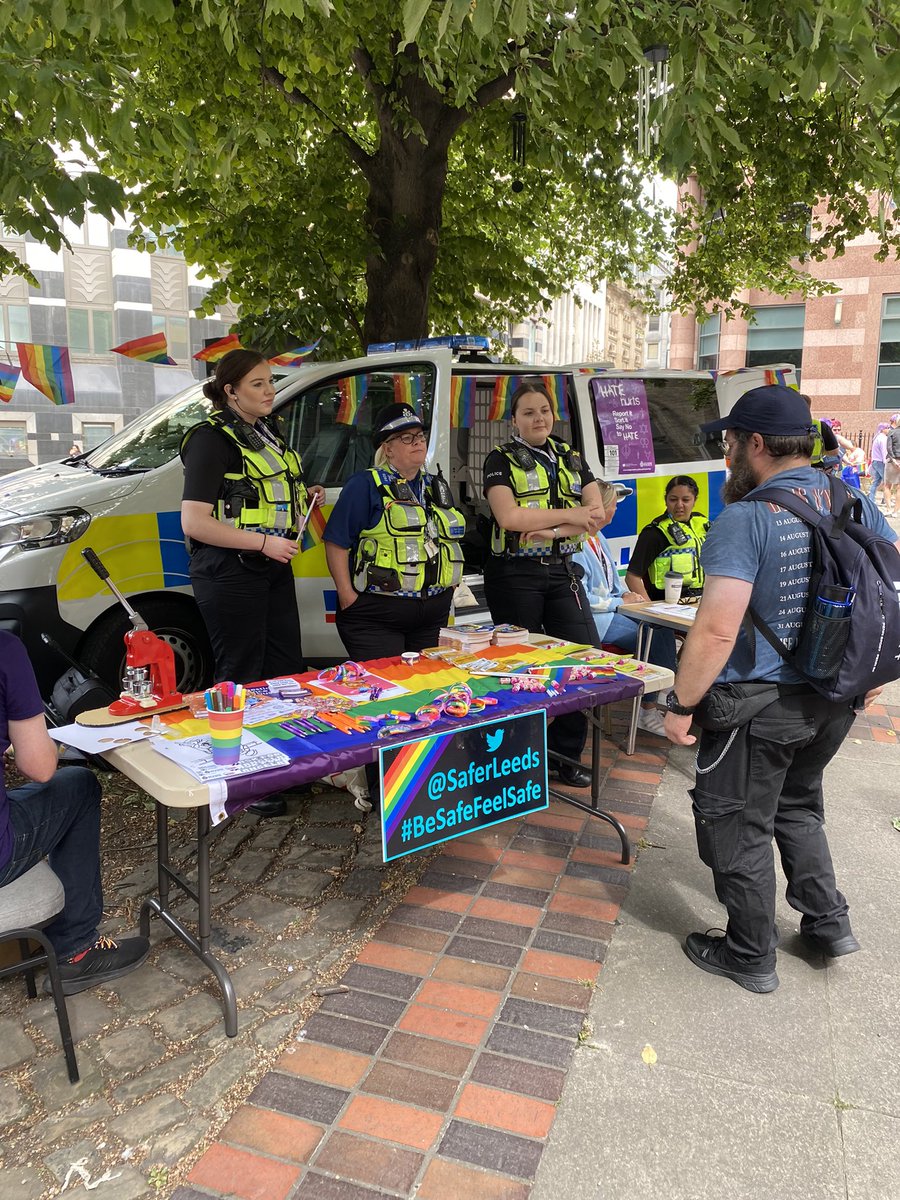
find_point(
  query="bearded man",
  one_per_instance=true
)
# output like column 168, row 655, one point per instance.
column 763, row 779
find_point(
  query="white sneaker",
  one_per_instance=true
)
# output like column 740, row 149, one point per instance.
column 651, row 720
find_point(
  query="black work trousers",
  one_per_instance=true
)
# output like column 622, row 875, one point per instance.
column 249, row 607
column 761, row 781
column 544, row 597
column 377, row 626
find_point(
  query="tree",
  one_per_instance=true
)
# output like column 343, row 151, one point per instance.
column 346, row 165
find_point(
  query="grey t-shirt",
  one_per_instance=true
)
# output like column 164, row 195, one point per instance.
column 772, row 549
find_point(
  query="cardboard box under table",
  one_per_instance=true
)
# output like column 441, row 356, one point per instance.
column 314, row 756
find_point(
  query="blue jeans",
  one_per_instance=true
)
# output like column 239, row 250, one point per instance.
column 60, row 820
column 876, row 470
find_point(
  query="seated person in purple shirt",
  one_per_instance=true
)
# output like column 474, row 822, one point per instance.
column 57, row 817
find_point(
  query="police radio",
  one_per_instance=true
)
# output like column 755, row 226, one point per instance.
column 677, row 534
column 441, row 494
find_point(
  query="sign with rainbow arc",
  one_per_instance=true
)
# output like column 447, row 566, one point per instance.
column 443, row 786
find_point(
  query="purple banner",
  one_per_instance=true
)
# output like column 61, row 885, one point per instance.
column 624, row 420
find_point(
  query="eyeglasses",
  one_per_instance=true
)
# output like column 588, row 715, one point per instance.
column 725, row 446
column 411, row 439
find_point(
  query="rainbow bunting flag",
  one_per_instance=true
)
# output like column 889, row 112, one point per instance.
column 219, row 349
column 353, row 391
column 48, row 369
column 9, row 377
column 408, row 390
column 503, row 389
column 556, row 386
column 462, row 401
column 293, row 358
column 150, row 349
column 315, row 528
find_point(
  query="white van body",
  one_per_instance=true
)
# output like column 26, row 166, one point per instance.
column 123, row 498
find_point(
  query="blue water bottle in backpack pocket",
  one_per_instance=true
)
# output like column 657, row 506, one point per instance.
column 826, row 629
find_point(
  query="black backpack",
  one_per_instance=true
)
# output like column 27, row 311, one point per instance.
column 845, row 554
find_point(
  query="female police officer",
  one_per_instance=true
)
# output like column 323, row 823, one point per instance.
column 535, row 486
column 243, row 494
column 392, row 544
column 670, row 542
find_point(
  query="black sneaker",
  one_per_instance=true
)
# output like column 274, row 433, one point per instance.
column 709, row 954
column 103, row 961
column 833, row 947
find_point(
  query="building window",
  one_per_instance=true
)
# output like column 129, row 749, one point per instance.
column 15, row 324
column 887, row 387
column 176, row 331
column 95, row 432
column 708, row 343
column 776, row 336
column 13, row 439
column 90, row 330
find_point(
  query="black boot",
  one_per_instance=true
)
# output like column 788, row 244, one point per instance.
column 272, row 806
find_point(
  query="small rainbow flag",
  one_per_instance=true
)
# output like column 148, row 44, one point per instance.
column 353, row 391
column 406, row 775
column 408, row 390
column 219, row 349
column 315, row 528
column 293, row 358
column 150, row 349
column 556, row 386
column 9, row 377
column 48, row 369
column 503, row 389
column 462, row 401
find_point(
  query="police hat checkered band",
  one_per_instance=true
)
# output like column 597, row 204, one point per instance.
column 774, row 410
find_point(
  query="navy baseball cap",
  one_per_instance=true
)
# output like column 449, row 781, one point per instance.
column 775, row 410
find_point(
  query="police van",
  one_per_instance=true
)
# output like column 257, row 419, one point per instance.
column 123, row 498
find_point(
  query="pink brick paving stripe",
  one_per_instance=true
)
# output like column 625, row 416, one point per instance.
column 437, row 1074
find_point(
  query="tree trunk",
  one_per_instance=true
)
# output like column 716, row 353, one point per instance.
column 406, row 193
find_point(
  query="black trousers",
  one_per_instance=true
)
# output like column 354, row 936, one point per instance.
column 377, row 626
column 768, row 783
column 249, row 607
column 541, row 598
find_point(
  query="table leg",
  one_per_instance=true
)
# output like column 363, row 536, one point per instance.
column 160, row 906
column 593, row 809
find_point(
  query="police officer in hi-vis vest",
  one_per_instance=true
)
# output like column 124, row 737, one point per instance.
column 670, row 542
column 243, row 498
column 393, row 545
column 543, row 501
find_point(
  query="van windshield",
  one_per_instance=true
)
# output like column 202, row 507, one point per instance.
column 153, row 439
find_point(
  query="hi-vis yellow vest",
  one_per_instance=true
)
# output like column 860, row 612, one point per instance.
column 268, row 493
column 532, row 487
column 684, row 558
column 414, row 549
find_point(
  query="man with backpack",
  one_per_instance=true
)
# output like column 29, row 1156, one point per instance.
column 770, row 726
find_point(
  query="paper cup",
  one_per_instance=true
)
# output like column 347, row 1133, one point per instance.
column 674, row 583
column 225, row 729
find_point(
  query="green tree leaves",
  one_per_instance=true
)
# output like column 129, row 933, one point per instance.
column 346, row 163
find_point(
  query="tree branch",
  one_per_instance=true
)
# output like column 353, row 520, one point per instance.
column 358, row 154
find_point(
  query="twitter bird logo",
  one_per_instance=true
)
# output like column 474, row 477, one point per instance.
column 494, row 740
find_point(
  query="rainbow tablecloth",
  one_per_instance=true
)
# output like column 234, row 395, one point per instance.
column 324, row 754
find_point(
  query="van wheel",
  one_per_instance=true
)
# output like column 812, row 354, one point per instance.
column 103, row 650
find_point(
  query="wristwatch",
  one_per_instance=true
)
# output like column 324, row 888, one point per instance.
column 673, row 704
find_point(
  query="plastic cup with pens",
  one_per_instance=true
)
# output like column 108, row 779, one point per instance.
column 225, row 714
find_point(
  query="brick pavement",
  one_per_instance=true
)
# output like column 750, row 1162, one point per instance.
column 436, row 1073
